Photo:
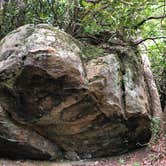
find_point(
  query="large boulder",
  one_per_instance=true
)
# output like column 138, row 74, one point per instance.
column 77, row 109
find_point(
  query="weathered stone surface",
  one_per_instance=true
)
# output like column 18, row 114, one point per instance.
column 19, row 142
column 154, row 96
column 87, row 110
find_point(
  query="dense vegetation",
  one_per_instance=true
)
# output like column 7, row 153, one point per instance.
column 138, row 23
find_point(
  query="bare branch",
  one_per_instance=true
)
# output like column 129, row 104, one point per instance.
column 139, row 41
column 149, row 18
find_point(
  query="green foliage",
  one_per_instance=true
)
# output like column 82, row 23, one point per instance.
column 53, row 12
column 8, row 18
column 155, row 128
column 20, row 12
column 87, row 17
column 157, row 55
column 92, row 52
column 136, row 164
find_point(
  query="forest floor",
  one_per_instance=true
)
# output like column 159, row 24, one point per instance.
column 152, row 155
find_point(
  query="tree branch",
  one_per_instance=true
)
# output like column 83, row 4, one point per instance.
column 139, row 41
column 149, row 18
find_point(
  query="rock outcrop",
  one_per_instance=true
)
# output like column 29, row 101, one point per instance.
column 54, row 105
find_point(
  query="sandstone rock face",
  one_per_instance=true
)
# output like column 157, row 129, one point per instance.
column 54, row 105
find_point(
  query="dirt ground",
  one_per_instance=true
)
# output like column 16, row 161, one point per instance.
column 153, row 154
